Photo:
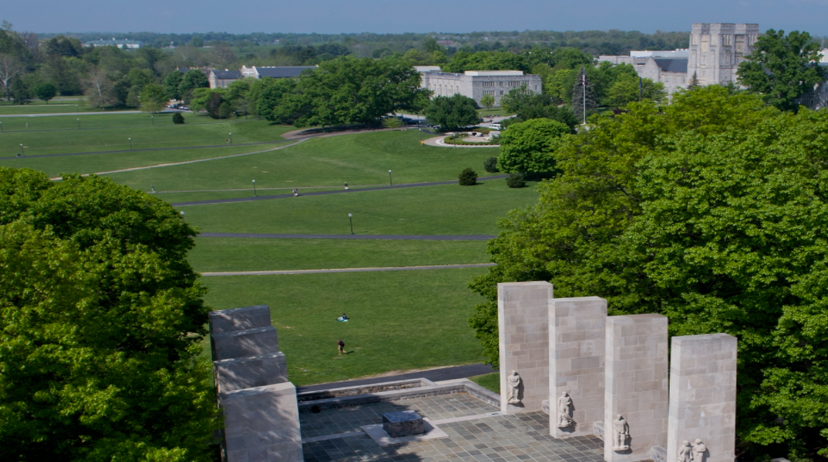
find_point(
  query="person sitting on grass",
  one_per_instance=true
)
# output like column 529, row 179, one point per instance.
column 343, row 318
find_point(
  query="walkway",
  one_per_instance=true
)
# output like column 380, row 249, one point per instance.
column 346, row 270
column 438, row 141
column 435, row 375
column 326, row 193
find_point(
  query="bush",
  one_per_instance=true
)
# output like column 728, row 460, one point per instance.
column 468, row 177
column 490, row 165
column 178, row 118
column 392, row 122
column 516, row 180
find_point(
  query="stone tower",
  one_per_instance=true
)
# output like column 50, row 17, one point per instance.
column 717, row 49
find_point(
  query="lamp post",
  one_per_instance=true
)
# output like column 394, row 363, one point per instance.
column 78, row 124
column 231, row 138
column 130, row 144
column 22, row 149
column 182, row 218
column 351, row 219
column 390, row 181
column 254, row 189
column 153, row 120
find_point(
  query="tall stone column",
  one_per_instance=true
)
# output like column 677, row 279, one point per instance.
column 702, row 397
column 522, row 314
column 576, row 365
column 635, row 397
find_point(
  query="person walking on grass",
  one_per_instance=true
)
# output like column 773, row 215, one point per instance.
column 340, row 345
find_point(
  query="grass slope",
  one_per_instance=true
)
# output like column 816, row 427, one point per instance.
column 399, row 320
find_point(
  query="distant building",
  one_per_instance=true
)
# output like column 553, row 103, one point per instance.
column 275, row 72
column 123, row 44
column 714, row 55
column 221, row 79
column 476, row 84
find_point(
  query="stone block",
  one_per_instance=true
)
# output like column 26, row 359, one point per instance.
column 636, row 359
column 577, row 349
column 522, row 309
column 404, row 423
column 262, row 424
column 249, row 372
column 249, row 317
column 241, row 343
column 703, row 396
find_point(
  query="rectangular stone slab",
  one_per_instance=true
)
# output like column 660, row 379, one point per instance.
column 522, row 313
column 636, row 384
column 249, row 317
column 250, row 371
column 405, row 423
column 242, row 343
column 576, row 362
column 703, row 395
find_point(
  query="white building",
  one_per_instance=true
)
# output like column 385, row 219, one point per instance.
column 476, row 84
column 275, row 72
column 123, row 44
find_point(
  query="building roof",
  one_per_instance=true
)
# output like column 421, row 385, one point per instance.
column 678, row 65
column 282, row 72
column 226, row 75
column 493, row 73
column 677, row 53
column 422, row 69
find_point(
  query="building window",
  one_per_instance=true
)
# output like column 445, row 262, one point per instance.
column 487, row 84
column 501, row 92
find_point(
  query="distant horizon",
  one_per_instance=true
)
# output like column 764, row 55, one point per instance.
column 331, row 17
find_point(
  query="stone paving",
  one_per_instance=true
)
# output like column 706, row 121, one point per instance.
column 501, row 438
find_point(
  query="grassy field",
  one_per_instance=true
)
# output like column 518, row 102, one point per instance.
column 41, row 139
column 449, row 209
column 399, row 320
column 231, row 254
column 362, row 159
column 490, row 381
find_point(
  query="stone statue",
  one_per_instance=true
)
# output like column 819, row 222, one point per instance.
column 514, row 388
column 565, row 411
column 685, row 453
column 698, row 451
column 621, row 433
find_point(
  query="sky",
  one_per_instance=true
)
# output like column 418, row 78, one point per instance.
column 397, row 16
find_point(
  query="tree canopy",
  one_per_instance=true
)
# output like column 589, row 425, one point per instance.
column 782, row 67
column 101, row 322
column 528, row 147
column 452, row 112
column 713, row 212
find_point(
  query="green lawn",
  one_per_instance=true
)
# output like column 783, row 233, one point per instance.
column 225, row 254
column 449, row 209
column 490, row 381
column 362, row 159
column 58, row 135
column 400, row 320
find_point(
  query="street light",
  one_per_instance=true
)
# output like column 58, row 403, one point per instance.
column 390, row 181
column 78, row 124
column 22, row 149
column 254, row 189
column 182, row 218
column 351, row 219
column 130, row 144
column 231, row 138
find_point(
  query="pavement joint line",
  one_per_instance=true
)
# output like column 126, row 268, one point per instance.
column 346, row 270
column 335, row 436
column 467, row 417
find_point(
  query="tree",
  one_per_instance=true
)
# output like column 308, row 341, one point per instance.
column 238, row 95
column 20, row 90
column 782, row 68
column 709, row 211
column 280, row 102
column 153, row 98
column 9, row 67
column 172, row 82
column 487, row 101
column 44, row 91
column 583, row 96
column 528, row 105
column 98, row 88
column 102, row 321
column 192, row 80
column 629, row 88
column 529, row 147
column 452, row 112
column 694, row 82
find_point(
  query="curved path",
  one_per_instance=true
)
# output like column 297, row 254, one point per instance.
column 325, row 193
column 346, row 270
column 373, row 237
column 438, row 141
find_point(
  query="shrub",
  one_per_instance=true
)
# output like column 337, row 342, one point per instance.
column 516, row 180
column 468, row 177
column 490, row 164
column 178, row 118
column 392, row 122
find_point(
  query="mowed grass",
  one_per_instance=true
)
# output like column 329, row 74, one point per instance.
column 359, row 159
column 489, row 381
column 57, row 105
column 50, row 135
column 448, row 209
column 399, row 320
column 240, row 254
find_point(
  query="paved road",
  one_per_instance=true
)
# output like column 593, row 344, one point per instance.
column 325, row 193
column 373, row 237
column 346, row 270
column 435, row 375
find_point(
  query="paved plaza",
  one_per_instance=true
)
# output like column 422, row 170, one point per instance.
column 477, row 432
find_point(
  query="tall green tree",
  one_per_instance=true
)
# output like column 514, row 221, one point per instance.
column 528, row 147
column 452, row 112
column 101, row 324
column 44, row 91
column 153, row 98
column 528, row 105
column 782, row 68
column 487, row 101
column 172, row 82
column 584, row 97
column 191, row 81
column 629, row 88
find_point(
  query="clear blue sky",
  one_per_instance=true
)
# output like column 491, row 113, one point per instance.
column 395, row 16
